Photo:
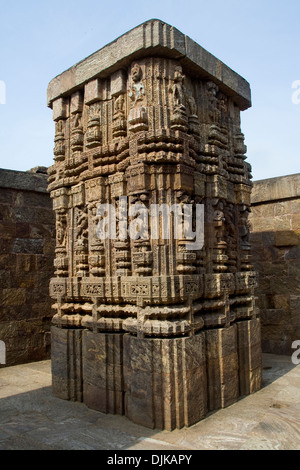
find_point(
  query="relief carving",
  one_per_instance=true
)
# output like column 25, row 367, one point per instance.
column 122, row 244
column 81, row 227
column 185, row 259
column 93, row 133
column 138, row 118
column 60, row 147
column 96, row 246
column 61, row 258
column 77, row 136
column 244, row 225
column 61, row 228
column 137, row 90
column 184, row 112
column 141, row 253
column 119, row 119
column 81, row 241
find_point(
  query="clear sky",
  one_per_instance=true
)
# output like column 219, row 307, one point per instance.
column 259, row 39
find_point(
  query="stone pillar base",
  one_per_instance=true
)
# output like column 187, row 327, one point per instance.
column 103, row 388
column 222, row 367
column 162, row 383
column 66, row 363
column 250, row 359
column 165, row 381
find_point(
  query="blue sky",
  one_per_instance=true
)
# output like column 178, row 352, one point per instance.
column 259, row 39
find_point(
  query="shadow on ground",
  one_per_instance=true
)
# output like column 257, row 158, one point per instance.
column 275, row 367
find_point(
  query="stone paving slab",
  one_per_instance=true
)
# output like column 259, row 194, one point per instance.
column 32, row 419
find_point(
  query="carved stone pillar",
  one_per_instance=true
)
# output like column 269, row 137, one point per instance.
column 150, row 322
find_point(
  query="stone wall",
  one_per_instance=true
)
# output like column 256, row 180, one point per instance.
column 275, row 242
column 26, row 261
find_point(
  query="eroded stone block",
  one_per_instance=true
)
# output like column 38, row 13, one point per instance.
column 103, row 387
column 169, row 389
column 66, row 363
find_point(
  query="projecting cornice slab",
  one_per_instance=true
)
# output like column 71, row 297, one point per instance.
column 153, row 37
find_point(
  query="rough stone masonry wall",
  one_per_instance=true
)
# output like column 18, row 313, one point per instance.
column 26, row 262
column 275, row 242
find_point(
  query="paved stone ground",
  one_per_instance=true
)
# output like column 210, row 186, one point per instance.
column 32, row 419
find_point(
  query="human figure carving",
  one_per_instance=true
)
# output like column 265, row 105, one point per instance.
column 61, row 226
column 82, row 227
column 137, row 88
